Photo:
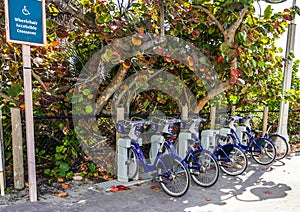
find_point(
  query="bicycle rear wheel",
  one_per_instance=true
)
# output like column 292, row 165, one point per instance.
column 281, row 144
column 263, row 151
column 208, row 166
column 233, row 162
column 173, row 175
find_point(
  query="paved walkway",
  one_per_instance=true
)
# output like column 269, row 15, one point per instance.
column 272, row 188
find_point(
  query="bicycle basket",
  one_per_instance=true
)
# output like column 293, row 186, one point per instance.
column 122, row 128
column 156, row 127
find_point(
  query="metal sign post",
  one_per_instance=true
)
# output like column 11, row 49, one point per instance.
column 26, row 24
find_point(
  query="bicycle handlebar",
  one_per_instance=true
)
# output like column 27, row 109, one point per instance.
column 165, row 121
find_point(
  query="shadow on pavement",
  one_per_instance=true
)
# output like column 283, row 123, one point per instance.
column 248, row 187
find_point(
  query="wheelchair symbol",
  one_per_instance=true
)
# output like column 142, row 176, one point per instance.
column 25, row 11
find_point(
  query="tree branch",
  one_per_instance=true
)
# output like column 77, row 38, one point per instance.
column 219, row 25
column 111, row 88
column 212, row 93
column 38, row 78
column 3, row 95
column 73, row 12
column 230, row 32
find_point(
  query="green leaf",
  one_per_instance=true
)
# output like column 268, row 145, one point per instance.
column 64, row 166
column 268, row 12
column 47, row 172
column 254, row 64
column 224, row 47
column 86, row 92
column 211, row 29
column 264, row 39
column 106, row 18
column 14, row 90
column 60, row 149
column 89, row 109
column 69, row 175
column 85, row 2
column 261, row 64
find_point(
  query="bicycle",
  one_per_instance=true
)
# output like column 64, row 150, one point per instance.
column 172, row 172
column 231, row 159
column 262, row 150
column 281, row 144
column 202, row 164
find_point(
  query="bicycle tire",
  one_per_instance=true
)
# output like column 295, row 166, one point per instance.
column 282, row 147
column 238, row 161
column 131, row 163
column 173, row 175
column 209, row 171
column 264, row 151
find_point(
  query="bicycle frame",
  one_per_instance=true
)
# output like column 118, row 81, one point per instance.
column 141, row 159
column 252, row 140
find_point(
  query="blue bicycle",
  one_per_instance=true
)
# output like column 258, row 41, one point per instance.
column 231, row 158
column 262, row 150
column 202, row 164
column 281, row 144
column 172, row 172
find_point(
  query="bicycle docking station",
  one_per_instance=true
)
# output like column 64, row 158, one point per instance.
column 208, row 139
column 183, row 143
column 156, row 140
column 124, row 144
column 239, row 132
column 122, row 154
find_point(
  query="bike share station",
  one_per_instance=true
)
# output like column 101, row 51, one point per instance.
column 185, row 139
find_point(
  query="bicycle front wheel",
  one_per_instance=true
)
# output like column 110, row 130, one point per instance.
column 173, row 175
column 132, row 164
column 263, row 151
column 281, row 145
column 233, row 162
column 204, row 168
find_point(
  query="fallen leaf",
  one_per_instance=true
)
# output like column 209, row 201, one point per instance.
column 268, row 192
column 121, row 187
column 60, row 179
column 64, row 186
column 207, row 198
column 155, row 188
column 113, row 189
column 77, row 178
column 62, row 195
column 137, row 184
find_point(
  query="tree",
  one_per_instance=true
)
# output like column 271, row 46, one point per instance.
column 240, row 46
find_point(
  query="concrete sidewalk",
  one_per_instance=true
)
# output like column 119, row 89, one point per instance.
column 271, row 188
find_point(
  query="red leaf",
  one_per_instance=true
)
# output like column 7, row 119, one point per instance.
column 220, row 59
column 268, row 192
column 234, row 72
column 287, row 17
column 114, row 189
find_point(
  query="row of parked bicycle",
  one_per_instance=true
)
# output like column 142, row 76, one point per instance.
column 229, row 153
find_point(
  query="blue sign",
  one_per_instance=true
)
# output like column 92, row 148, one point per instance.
column 25, row 21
